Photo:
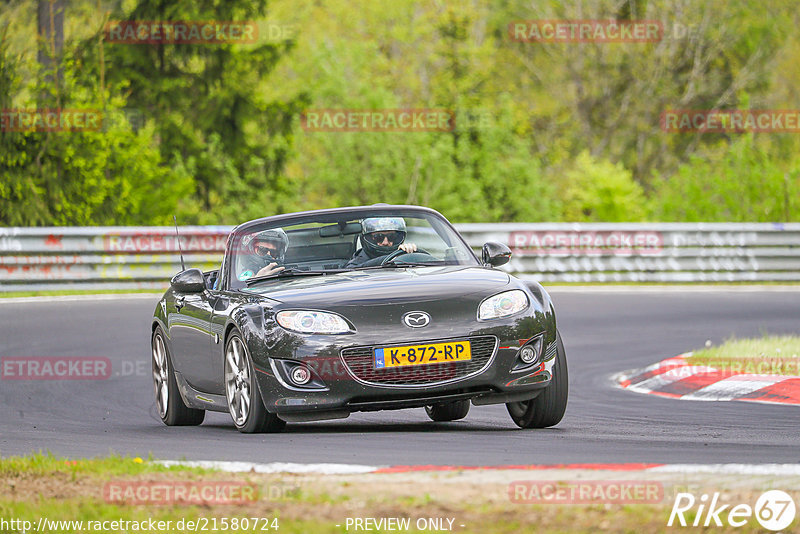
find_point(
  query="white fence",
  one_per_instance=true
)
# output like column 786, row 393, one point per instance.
column 146, row 257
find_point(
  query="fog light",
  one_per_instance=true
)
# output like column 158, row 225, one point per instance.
column 527, row 354
column 300, row 375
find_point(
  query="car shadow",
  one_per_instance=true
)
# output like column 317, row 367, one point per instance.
column 375, row 428
column 347, row 426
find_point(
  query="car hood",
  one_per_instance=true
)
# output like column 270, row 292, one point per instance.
column 384, row 286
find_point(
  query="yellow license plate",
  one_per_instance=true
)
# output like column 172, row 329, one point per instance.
column 453, row 351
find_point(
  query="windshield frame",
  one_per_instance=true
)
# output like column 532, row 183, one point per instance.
column 333, row 216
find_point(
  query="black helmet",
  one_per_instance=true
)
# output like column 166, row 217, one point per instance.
column 380, row 227
column 276, row 237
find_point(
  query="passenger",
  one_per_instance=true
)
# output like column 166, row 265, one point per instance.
column 266, row 252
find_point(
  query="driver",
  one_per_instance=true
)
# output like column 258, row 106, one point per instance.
column 265, row 253
column 380, row 236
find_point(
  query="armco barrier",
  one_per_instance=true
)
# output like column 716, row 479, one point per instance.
column 647, row 252
column 103, row 257
column 146, row 257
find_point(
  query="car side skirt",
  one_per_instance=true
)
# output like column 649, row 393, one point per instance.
column 198, row 399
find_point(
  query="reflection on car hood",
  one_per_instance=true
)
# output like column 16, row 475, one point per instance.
column 384, row 286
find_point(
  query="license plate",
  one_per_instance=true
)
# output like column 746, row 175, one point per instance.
column 434, row 353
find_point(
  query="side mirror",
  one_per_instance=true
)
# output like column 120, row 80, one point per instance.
column 189, row 281
column 495, row 254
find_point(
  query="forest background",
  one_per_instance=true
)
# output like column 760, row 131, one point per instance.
column 543, row 131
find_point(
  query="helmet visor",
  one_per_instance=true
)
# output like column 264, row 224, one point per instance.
column 385, row 238
column 266, row 250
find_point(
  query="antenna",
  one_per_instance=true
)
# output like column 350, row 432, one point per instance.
column 183, row 266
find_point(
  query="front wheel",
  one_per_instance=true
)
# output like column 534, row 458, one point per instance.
column 241, row 390
column 171, row 409
column 548, row 408
column 448, row 411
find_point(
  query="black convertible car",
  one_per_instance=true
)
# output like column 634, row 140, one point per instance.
column 319, row 314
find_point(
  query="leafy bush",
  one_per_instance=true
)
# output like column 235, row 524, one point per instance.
column 739, row 182
column 598, row 190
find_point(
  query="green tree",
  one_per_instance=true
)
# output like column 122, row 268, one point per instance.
column 209, row 109
column 601, row 191
column 403, row 56
column 739, row 182
column 112, row 175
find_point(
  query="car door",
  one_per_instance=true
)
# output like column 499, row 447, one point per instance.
column 223, row 303
column 191, row 336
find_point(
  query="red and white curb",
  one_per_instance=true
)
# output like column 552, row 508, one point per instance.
column 675, row 378
column 354, row 469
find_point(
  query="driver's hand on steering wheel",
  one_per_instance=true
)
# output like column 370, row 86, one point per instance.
column 408, row 248
column 272, row 268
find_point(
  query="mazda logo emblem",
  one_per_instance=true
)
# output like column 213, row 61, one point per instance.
column 416, row 319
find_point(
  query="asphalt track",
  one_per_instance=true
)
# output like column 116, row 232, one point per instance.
column 604, row 332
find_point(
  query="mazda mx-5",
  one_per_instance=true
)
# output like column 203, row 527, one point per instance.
column 320, row 314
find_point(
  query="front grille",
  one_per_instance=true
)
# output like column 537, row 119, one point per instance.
column 360, row 362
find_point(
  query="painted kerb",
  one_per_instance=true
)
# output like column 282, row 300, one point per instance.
column 146, row 257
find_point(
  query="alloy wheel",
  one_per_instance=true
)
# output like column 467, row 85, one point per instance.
column 160, row 375
column 238, row 386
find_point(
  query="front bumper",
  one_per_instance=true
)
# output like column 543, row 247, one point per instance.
column 344, row 388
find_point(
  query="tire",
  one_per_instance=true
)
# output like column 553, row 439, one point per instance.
column 448, row 411
column 170, row 406
column 548, row 408
column 241, row 391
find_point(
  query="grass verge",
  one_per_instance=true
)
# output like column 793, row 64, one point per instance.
column 69, row 292
column 44, row 487
column 766, row 355
column 41, row 463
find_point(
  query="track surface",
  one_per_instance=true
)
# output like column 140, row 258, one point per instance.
column 604, row 332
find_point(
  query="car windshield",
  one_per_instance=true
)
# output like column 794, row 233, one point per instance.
column 328, row 243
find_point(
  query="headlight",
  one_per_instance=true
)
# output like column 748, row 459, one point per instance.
column 503, row 304
column 313, row 322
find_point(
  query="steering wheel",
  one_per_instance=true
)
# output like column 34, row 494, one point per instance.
column 399, row 252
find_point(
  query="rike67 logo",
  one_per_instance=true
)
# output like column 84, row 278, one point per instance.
column 774, row 510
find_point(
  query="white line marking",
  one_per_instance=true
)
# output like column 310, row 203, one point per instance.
column 275, row 467
column 73, row 298
column 730, row 469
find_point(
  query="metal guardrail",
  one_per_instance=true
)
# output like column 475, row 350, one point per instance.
column 648, row 252
column 146, row 257
column 33, row 259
